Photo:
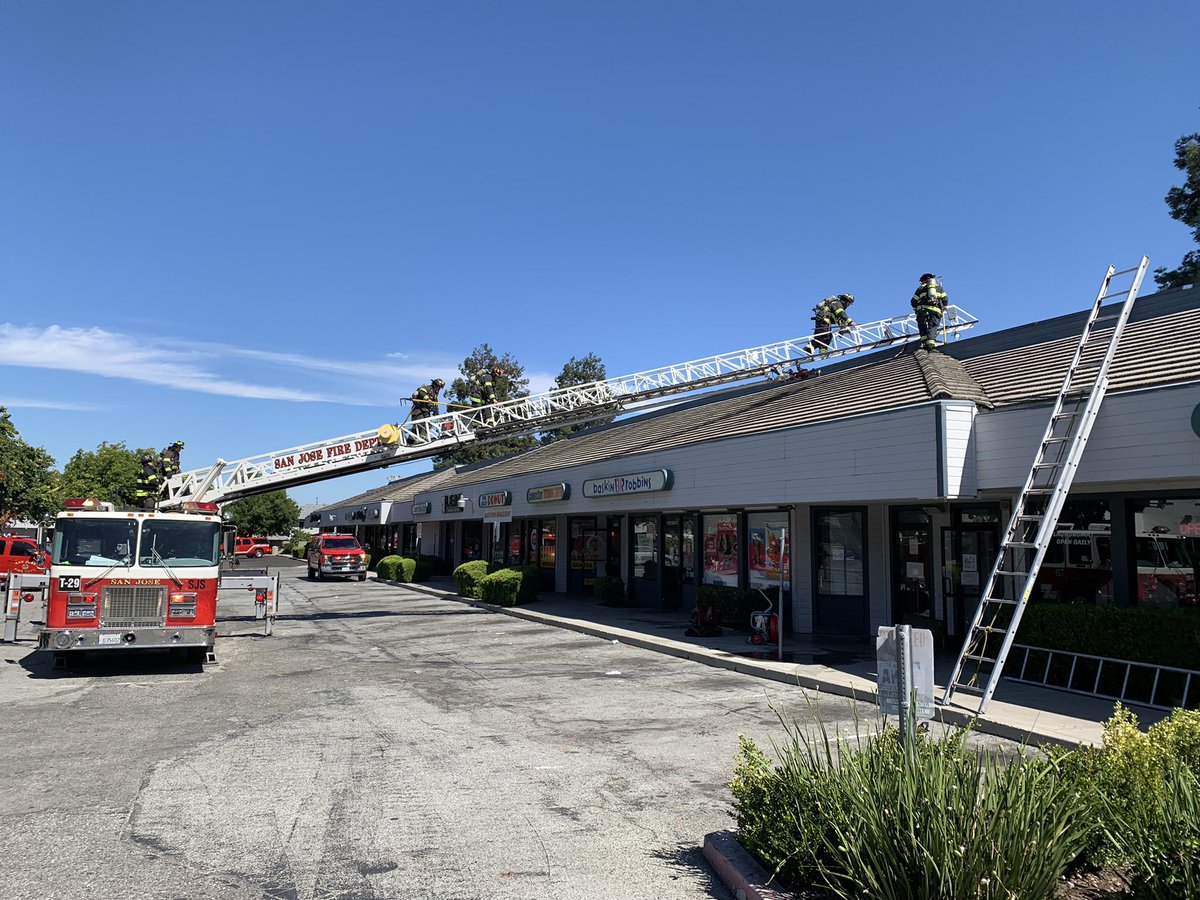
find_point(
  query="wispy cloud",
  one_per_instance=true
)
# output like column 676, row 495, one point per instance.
column 96, row 351
column 33, row 403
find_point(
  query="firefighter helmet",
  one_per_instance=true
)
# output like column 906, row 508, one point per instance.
column 928, row 276
column 438, row 383
column 846, row 298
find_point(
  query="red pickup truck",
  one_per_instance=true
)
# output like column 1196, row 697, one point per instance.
column 336, row 554
column 21, row 555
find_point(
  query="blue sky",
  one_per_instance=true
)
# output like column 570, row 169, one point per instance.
column 252, row 226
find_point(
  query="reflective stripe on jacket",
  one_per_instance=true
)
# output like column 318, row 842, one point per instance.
column 830, row 311
column 929, row 298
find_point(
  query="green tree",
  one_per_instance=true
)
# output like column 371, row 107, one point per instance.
column 510, row 385
column 578, row 371
column 264, row 514
column 29, row 487
column 110, row 472
column 1184, row 202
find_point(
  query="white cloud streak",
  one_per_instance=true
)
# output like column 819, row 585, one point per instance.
column 33, row 403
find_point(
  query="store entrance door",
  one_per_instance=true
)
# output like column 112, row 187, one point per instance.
column 968, row 553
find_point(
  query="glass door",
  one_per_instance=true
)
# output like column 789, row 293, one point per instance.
column 968, row 554
column 672, row 585
column 647, row 576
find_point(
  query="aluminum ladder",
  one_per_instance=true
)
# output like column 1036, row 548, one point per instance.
column 1035, row 513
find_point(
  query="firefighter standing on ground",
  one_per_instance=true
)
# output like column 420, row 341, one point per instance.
column 146, row 492
column 829, row 312
column 483, row 393
column 929, row 302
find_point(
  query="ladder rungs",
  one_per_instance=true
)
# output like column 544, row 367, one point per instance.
column 982, row 659
column 1022, row 544
column 1002, row 601
column 1055, row 440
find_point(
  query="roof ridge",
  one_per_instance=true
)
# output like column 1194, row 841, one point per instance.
column 948, row 379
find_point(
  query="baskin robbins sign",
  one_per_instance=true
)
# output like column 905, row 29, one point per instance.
column 620, row 485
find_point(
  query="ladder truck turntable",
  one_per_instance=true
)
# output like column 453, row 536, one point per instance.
column 422, row 438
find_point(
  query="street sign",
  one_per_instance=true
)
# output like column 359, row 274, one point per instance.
column 887, row 656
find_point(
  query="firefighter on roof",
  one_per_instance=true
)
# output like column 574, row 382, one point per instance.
column 146, row 493
column 929, row 302
column 829, row 312
column 483, row 392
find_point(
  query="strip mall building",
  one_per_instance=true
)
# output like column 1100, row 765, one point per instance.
column 887, row 480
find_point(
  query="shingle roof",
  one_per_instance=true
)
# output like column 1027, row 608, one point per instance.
column 1160, row 345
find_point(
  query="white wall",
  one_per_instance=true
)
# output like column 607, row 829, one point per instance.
column 1138, row 436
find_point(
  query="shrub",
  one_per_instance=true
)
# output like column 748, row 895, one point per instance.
column 610, row 590
column 467, row 577
column 878, row 819
column 396, row 568
column 1163, row 636
column 502, row 587
column 1161, row 840
column 530, row 582
column 735, row 604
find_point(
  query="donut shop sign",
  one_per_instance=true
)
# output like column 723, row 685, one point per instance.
column 620, row 485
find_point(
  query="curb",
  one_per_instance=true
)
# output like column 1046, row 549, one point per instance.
column 720, row 660
column 738, row 870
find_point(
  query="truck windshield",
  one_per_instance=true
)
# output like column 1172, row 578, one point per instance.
column 1168, row 552
column 340, row 544
column 179, row 544
column 94, row 542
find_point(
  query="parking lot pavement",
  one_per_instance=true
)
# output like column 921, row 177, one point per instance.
column 383, row 743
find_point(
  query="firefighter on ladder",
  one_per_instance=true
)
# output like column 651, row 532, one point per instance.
column 146, row 492
column 168, row 463
column 483, row 393
column 425, row 404
column 929, row 303
column 829, row 312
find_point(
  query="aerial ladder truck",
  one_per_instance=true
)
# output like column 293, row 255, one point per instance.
column 149, row 579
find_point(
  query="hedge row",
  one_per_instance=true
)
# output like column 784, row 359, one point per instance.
column 1167, row 637
column 403, row 568
column 467, row 578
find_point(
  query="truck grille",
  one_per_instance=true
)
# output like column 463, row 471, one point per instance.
column 132, row 607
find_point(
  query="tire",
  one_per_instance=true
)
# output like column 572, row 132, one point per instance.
column 362, row 577
column 197, row 655
column 258, row 553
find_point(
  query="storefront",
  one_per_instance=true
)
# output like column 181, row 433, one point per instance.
column 887, row 506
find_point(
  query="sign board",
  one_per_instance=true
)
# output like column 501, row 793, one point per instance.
column 619, row 485
column 548, row 492
column 888, row 667
column 500, row 514
column 422, row 509
column 450, row 503
column 494, row 499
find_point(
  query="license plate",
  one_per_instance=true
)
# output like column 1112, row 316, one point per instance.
column 110, row 639
column 81, row 614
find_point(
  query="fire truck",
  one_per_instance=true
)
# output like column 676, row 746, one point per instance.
column 133, row 580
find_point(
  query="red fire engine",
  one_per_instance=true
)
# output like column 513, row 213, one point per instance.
column 133, row 580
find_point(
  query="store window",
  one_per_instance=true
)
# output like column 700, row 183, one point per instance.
column 1166, row 550
column 472, row 541
column 1077, row 567
column 548, row 549
column 840, row 553
column 687, row 553
column 645, row 547
column 721, row 545
column 766, row 536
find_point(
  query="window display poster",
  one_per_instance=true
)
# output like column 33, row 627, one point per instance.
column 764, row 539
column 721, row 550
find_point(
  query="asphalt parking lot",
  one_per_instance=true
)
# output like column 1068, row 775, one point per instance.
column 382, row 743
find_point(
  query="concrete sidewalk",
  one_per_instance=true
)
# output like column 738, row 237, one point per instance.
column 840, row 666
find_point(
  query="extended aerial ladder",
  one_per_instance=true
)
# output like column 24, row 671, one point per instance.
column 1035, row 513
column 422, row 438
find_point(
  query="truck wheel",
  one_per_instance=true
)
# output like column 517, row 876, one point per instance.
column 362, row 577
column 258, row 553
